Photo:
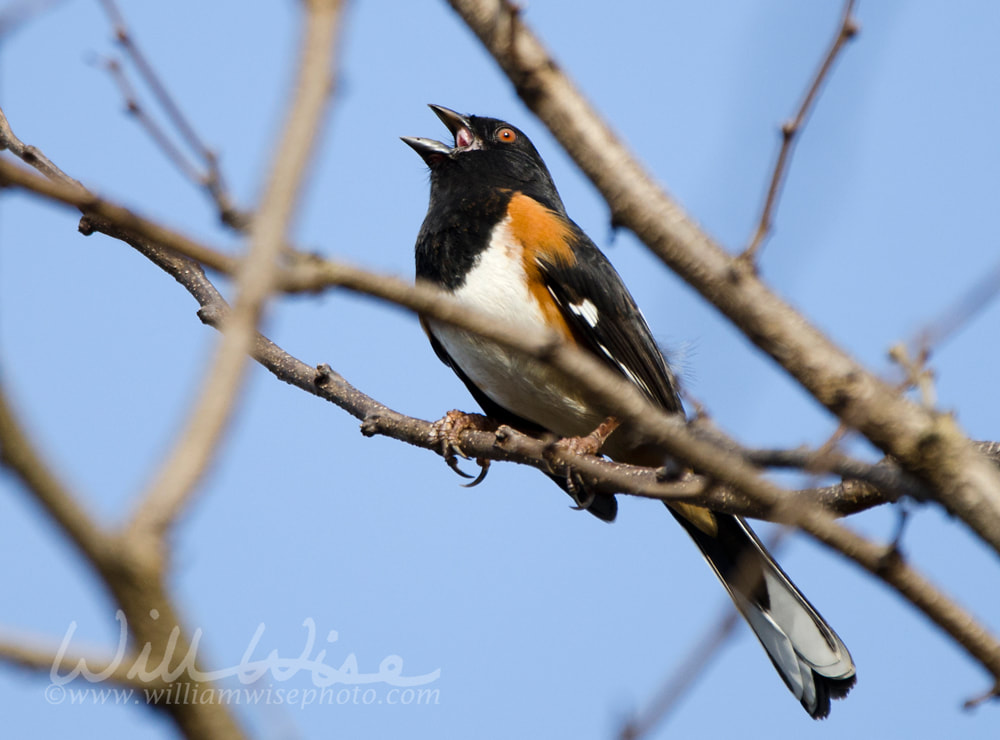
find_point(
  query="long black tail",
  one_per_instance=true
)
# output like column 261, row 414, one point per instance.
column 811, row 659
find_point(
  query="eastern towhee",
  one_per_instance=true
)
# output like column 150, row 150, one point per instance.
column 497, row 238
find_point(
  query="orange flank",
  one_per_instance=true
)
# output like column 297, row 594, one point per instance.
column 544, row 237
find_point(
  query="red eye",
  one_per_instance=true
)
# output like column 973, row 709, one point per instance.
column 506, row 135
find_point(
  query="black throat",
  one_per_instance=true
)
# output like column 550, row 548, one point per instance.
column 456, row 230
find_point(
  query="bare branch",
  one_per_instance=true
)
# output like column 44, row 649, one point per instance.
column 132, row 574
column 697, row 660
column 15, row 14
column 885, row 475
column 917, row 374
column 124, row 37
column 31, row 155
column 175, row 483
column 960, row 313
column 212, row 181
column 928, row 444
column 159, row 136
column 19, row 455
column 66, row 190
column 28, row 652
column 992, row 694
column 790, row 130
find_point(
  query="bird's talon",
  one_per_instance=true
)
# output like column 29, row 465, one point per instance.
column 453, row 464
column 453, row 448
column 484, row 468
column 573, row 487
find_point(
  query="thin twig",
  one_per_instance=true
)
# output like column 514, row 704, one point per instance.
column 175, row 483
column 69, row 191
column 212, row 180
column 916, row 373
column 993, row 694
column 32, row 156
column 124, row 37
column 885, row 475
column 954, row 318
column 312, row 274
column 28, row 652
column 790, row 130
column 694, row 664
column 135, row 109
column 16, row 14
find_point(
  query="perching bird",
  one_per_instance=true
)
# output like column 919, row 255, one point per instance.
column 497, row 237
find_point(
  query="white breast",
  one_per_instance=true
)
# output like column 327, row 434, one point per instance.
column 497, row 286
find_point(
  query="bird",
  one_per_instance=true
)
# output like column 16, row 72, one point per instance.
column 497, row 238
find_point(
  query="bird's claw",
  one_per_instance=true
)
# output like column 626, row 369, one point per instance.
column 484, row 468
column 446, row 432
column 584, row 499
column 449, row 457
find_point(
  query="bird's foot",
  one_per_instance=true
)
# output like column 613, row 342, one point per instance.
column 592, row 443
column 446, row 433
column 573, row 482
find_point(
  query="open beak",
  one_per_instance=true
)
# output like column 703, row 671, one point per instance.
column 432, row 151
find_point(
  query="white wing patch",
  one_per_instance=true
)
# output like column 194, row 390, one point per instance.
column 586, row 310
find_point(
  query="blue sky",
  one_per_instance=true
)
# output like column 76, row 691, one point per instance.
column 543, row 622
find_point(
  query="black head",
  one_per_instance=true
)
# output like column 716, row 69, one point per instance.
column 487, row 153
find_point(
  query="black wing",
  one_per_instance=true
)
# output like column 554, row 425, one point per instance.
column 604, row 318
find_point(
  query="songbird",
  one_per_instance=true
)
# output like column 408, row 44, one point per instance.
column 497, row 237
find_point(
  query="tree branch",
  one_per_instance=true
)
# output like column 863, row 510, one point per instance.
column 697, row 660
column 212, row 181
column 58, row 186
column 255, row 279
column 134, row 108
column 132, row 574
column 961, row 311
column 19, row 455
column 20, row 652
column 790, row 130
